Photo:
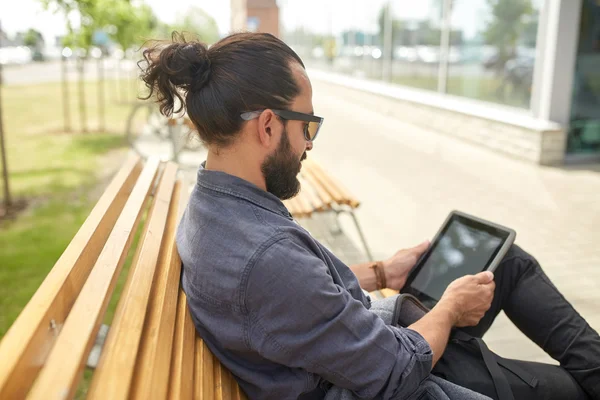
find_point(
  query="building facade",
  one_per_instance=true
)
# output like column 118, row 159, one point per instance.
column 520, row 77
column 255, row 16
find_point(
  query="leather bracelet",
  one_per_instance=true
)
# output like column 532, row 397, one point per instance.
column 379, row 274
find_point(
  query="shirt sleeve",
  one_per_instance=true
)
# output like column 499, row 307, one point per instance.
column 300, row 318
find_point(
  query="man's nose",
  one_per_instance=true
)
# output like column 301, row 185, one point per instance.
column 309, row 146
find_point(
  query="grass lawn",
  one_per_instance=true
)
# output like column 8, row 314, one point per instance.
column 56, row 173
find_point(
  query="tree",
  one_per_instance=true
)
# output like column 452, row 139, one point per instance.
column 5, row 181
column 195, row 20
column 75, row 39
column 129, row 26
column 81, row 40
column 65, row 7
column 33, row 39
column 397, row 26
column 507, row 25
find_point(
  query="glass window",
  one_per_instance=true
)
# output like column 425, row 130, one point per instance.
column 492, row 50
column 416, row 37
column 584, row 132
column 329, row 34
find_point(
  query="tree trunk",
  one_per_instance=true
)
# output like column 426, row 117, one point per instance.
column 65, row 93
column 101, row 113
column 124, row 87
column 116, row 68
column 134, row 82
column 7, row 198
column 82, row 109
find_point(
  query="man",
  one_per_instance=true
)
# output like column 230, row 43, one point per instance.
column 278, row 309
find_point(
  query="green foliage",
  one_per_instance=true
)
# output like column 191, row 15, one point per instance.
column 196, row 21
column 507, row 25
column 132, row 25
column 33, row 39
column 127, row 24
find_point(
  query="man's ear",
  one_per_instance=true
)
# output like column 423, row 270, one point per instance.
column 269, row 127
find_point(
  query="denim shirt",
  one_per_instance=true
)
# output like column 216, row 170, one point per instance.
column 278, row 309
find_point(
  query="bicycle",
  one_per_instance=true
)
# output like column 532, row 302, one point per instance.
column 148, row 132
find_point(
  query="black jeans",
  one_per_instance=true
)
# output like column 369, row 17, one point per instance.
column 542, row 313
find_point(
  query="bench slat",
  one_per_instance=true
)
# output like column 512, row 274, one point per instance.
column 304, row 204
column 341, row 195
column 64, row 367
column 236, row 392
column 151, row 375
column 290, row 206
column 316, row 185
column 315, row 201
column 112, row 378
column 204, row 381
column 325, row 183
column 222, row 381
column 27, row 343
column 296, row 209
column 181, row 380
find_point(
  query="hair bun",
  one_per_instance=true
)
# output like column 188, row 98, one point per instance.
column 194, row 65
column 180, row 65
column 201, row 75
column 186, row 64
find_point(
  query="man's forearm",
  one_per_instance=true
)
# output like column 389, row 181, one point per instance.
column 435, row 327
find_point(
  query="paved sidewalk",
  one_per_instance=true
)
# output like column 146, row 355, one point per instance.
column 409, row 179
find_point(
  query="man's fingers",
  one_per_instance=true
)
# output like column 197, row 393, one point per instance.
column 484, row 277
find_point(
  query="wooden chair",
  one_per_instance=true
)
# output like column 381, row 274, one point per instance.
column 322, row 193
column 151, row 350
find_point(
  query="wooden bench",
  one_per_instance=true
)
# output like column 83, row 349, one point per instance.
column 322, row 193
column 151, row 351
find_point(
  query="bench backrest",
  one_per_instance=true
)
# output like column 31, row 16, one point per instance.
column 319, row 192
column 151, row 350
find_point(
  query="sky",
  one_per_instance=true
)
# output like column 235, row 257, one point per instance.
column 322, row 16
column 19, row 16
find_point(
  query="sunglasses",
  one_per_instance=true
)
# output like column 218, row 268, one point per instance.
column 310, row 130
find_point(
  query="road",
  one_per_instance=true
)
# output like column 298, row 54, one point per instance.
column 50, row 71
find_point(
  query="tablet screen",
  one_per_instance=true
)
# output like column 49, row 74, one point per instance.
column 463, row 248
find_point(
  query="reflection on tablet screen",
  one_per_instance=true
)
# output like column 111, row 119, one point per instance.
column 462, row 250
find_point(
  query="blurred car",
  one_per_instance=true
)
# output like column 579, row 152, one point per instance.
column 405, row 53
column 519, row 71
column 426, row 54
column 15, row 55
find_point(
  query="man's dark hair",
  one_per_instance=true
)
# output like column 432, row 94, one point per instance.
column 241, row 72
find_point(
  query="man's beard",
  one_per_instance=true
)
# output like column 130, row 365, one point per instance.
column 281, row 170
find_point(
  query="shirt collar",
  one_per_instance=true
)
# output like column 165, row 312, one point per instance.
column 240, row 188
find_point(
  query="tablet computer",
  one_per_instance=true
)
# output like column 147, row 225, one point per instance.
column 464, row 245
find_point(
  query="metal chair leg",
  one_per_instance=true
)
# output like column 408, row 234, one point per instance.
column 338, row 211
column 338, row 227
column 362, row 236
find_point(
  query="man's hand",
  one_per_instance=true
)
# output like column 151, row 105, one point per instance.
column 468, row 298
column 399, row 265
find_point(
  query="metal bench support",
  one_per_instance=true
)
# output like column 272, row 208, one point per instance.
column 350, row 211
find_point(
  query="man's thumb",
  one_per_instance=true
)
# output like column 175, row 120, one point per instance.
column 422, row 247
